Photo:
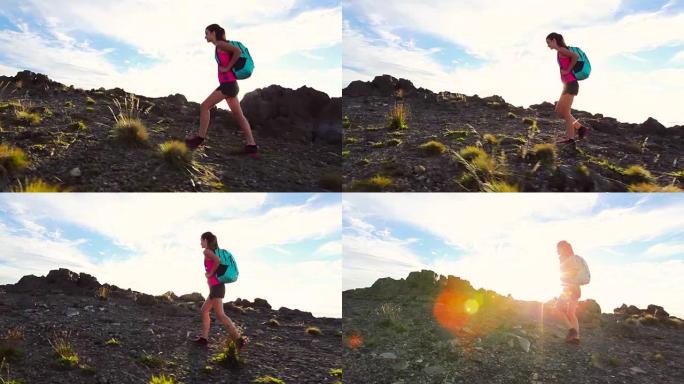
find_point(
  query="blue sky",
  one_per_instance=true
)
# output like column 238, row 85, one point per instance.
column 634, row 243
column 498, row 47
column 279, row 240
column 158, row 48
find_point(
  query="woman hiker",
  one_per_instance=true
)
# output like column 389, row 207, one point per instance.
column 567, row 302
column 226, row 56
column 567, row 60
column 217, row 291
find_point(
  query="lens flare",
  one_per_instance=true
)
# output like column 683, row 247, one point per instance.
column 355, row 341
column 449, row 310
column 471, row 306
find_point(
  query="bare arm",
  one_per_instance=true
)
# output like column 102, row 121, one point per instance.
column 573, row 58
column 210, row 254
column 235, row 53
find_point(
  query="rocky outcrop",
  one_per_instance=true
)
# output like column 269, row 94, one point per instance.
column 303, row 114
column 68, row 138
column 128, row 336
column 615, row 157
column 396, row 331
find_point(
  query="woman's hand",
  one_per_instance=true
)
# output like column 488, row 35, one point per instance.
column 223, row 69
column 565, row 71
column 207, row 275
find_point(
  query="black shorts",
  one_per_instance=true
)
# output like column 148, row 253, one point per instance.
column 571, row 88
column 229, row 89
column 217, row 291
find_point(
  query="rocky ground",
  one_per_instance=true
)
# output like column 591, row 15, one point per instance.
column 510, row 152
column 428, row 329
column 152, row 336
column 68, row 140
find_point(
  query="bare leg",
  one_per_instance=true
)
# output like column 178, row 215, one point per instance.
column 206, row 319
column 211, row 100
column 563, row 108
column 221, row 316
column 572, row 316
column 234, row 105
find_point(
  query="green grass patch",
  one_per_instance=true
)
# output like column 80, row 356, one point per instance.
column 90, row 101
column 67, row 357
column 31, row 118
column 229, row 357
column 345, row 153
column 78, row 125
column 490, row 139
column 470, row 153
column 457, row 134
column 350, row 140
column 315, row 331
column 636, row 174
column 161, row 380
column 336, row 372
column 545, row 153
column 432, row 148
column 90, row 109
column 113, row 341
column 393, row 142
column 175, row 153
column 397, row 117
column 37, row 186
column 150, row 361
column 268, row 380
column 650, row 187
column 378, row 144
column 69, row 104
column 363, row 162
column 12, row 159
column 512, row 115
column 345, row 122
column 374, row 184
column 131, row 131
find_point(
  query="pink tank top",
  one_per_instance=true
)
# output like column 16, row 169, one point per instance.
column 208, row 264
column 222, row 59
column 564, row 63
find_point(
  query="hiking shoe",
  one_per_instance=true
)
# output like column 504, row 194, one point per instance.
column 566, row 141
column 582, row 132
column 572, row 337
column 241, row 342
column 199, row 340
column 194, row 141
column 251, row 150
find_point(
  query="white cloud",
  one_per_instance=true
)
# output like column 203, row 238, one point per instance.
column 330, row 248
column 509, row 37
column 162, row 235
column 173, row 34
column 666, row 250
column 508, row 243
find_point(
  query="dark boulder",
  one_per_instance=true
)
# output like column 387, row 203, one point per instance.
column 657, row 311
column 652, row 126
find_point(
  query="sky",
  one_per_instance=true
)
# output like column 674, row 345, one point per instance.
column 487, row 47
column 287, row 246
column 156, row 48
column 633, row 243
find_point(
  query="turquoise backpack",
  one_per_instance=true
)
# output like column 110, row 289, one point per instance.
column 244, row 66
column 582, row 68
column 227, row 271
